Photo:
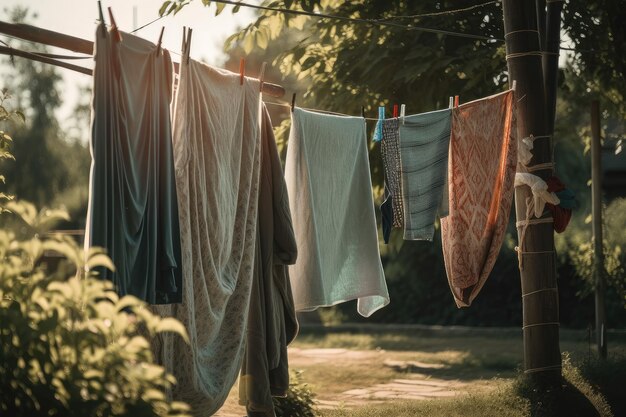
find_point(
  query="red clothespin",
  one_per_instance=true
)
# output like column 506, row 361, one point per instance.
column 242, row 66
column 456, row 101
column 395, row 110
column 293, row 102
column 158, row 48
column 118, row 37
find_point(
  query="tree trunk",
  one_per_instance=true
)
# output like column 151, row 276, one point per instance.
column 550, row 59
column 596, row 214
column 542, row 356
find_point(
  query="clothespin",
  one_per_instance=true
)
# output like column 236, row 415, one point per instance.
column 188, row 44
column 158, row 49
column 293, row 102
column 242, row 66
column 402, row 110
column 395, row 110
column 184, row 42
column 514, row 86
column 378, row 134
column 451, row 105
column 118, row 37
column 456, row 101
column 104, row 29
column 363, row 112
column 261, row 76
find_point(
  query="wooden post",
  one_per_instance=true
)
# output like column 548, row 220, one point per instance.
column 542, row 355
column 550, row 58
column 596, row 214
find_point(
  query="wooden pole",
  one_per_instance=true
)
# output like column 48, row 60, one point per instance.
column 596, row 214
column 542, row 355
column 41, row 58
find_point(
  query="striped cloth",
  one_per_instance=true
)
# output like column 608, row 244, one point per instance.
column 424, row 142
column 391, row 208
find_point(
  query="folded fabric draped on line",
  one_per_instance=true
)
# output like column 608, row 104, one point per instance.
column 217, row 149
column 481, row 170
column 132, row 209
column 330, row 191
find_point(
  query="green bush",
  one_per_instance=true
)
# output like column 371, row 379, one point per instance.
column 299, row 399
column 69, row 346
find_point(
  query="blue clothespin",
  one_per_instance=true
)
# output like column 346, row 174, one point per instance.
column 378, row 131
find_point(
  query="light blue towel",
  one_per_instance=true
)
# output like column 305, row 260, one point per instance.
column 424, row 143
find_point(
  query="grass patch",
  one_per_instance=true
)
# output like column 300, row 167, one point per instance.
column 501, row 402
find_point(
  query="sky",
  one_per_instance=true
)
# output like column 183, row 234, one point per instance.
column 78, row 18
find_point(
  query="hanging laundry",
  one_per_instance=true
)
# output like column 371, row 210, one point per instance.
column 483, row 156
column 132, row 209
column 391, row 208
column 330, row 191
column 424, row 142
column 272, row 322
column 217, row 157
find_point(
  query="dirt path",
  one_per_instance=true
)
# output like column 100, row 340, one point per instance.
column 350, row 378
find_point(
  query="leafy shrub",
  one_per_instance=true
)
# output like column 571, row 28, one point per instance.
column 299, row 399
column 69, row 346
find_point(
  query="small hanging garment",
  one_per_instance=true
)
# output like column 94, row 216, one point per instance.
column 272, row 322
column 330, row 191
column 132, row 209
column 391, row 208
column 424, row 142
column 481, row 170
column 217, row 157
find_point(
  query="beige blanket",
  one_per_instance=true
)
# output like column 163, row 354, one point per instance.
column 217, row 159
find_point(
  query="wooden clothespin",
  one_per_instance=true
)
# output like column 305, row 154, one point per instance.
column 188, row 43
column 261, row 76
column 118, row 37
column 456, row 101
column 158, row 48
column 242, row 66
column 184, row 42
column 293, row 102
column 104, row 29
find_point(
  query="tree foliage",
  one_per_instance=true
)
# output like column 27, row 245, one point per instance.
column 53, row 168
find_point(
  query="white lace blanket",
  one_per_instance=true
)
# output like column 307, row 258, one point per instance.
column 217, row 160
